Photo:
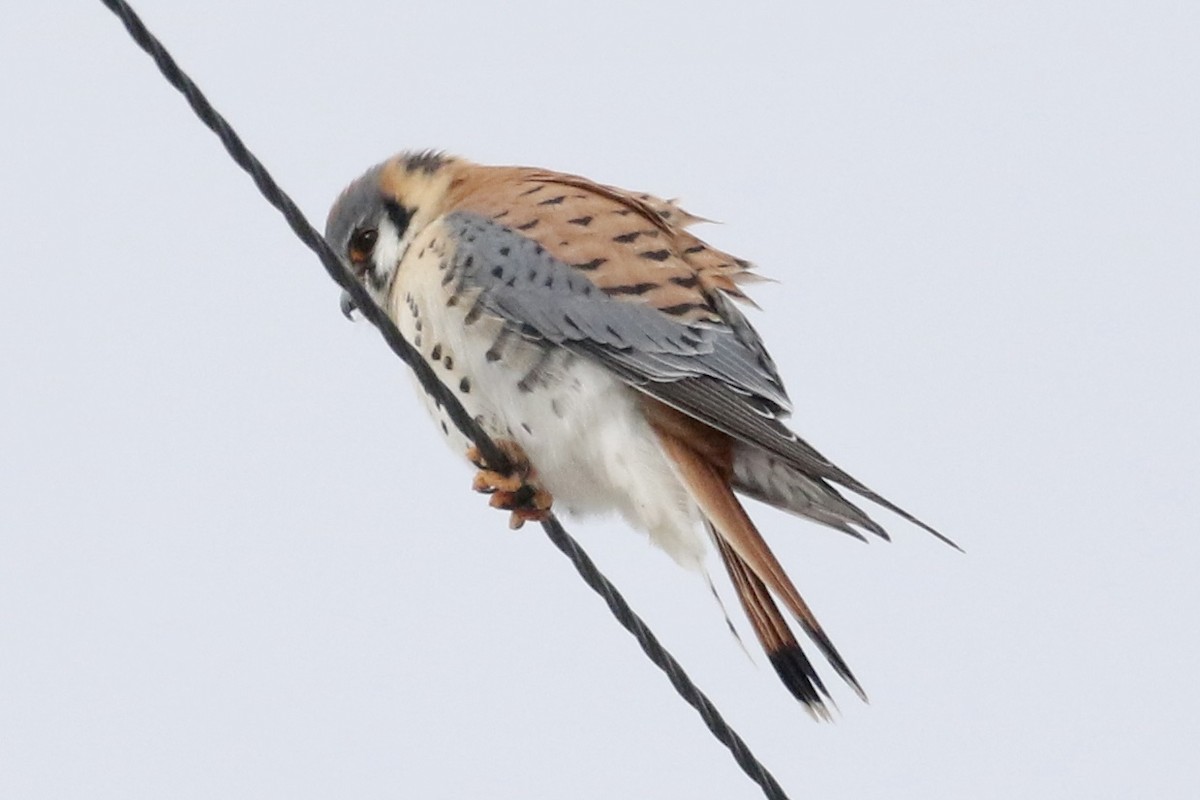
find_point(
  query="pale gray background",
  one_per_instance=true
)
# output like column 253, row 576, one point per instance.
column 235, row 560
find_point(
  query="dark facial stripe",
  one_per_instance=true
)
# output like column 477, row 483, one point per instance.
column 398, row 214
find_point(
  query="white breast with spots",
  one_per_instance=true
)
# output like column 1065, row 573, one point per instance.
column 582, row 428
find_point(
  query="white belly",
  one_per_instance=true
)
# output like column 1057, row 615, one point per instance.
column 581, row 428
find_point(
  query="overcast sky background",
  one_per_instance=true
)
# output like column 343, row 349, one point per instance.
column 236, row 560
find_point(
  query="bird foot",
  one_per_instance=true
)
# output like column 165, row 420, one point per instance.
column 515, row 491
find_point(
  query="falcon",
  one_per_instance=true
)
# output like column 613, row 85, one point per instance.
column 598, row 342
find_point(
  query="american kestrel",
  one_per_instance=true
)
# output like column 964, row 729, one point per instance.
column 595, row 338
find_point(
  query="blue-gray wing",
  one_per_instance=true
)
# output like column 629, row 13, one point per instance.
column 718, row 373
column 521, row 282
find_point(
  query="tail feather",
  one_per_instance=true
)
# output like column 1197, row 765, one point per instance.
column 708, row 482
column 776, row 638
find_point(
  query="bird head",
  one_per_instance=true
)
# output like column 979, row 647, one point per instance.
column 376, row 218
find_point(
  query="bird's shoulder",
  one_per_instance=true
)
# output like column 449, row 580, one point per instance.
column 631, row 246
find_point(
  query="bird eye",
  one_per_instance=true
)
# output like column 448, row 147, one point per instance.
column 362, row 243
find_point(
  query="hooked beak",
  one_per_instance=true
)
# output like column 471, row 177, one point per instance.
column 347, row 305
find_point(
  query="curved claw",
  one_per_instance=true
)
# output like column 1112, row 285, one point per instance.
column 516, row 490
column 347, row 305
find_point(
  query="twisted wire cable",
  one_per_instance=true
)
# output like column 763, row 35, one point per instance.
column 491, row 454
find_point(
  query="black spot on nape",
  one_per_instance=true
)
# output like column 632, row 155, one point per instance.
column 583, row 222
column 497, row 271
column 553, row 201
column 436, row 353
column 590, row 265
column 656, row 255
column 427, row 161
column 528, row 226
column 629, row 288
column 505, row 251
column 464, row 386
column 398, row 214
